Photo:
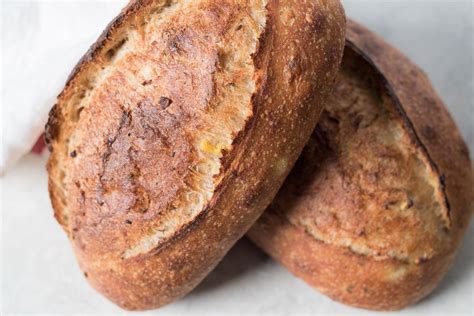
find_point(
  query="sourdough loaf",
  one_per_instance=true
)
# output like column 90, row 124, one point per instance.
column 177, row 128
column 375, row 209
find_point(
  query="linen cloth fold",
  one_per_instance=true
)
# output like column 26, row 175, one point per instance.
column 40, row 43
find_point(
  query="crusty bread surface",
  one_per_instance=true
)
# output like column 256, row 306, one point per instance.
column 375, row 209
column 176, row 130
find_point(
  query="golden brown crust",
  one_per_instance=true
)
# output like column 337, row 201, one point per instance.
column 343, row 275
column 130, row 130
column 369, row 215
column 429, row 118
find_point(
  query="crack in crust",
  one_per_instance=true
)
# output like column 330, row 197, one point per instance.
column 410, row 128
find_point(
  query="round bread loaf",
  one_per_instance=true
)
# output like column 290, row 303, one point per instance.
column 176, row 130
column 375, row 209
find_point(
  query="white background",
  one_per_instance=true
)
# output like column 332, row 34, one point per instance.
column 38, row 270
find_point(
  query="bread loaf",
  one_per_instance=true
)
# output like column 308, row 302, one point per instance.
column 176, row 130
column 375, row 209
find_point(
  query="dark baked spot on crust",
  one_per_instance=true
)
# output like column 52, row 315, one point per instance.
column 146, row 113
column 442, row 180
column 82, row 197
column 293, row 69
column 350, row 288
column 52, row 127
column 178, row 41
column 111, row 52
column 77, row 115
column 165, row 102
column 318, row 21
column 421, row 260
column 173, row 46
column 124, row 121
column 177, row 263
column 303, row 266
column 253, row 196
column 142, row 200
column 429, row 132
column 258, row 56
column 429, row 102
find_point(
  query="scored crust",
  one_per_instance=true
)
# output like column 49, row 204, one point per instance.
column 176, row 130
column 375, row 208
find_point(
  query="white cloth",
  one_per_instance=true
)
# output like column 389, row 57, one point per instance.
column 40, row 44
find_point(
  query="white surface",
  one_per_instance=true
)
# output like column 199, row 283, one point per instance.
column 39, row 273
